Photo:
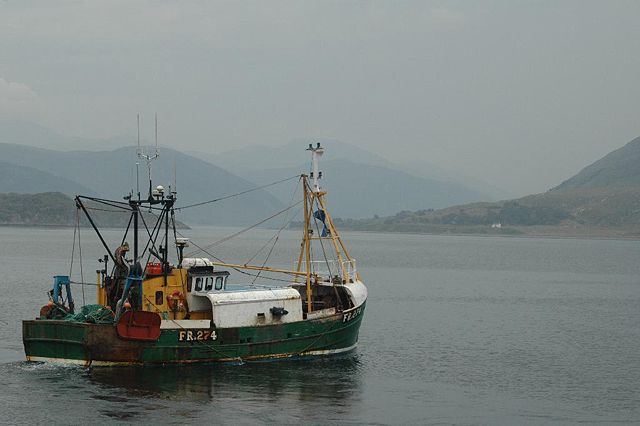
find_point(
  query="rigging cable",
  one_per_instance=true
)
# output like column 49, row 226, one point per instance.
column 276, row 235
column 324, row 253
column 115, row 204
column 175, row 236
column 152, row 240
column 237, row 194
column 76, row 231
column 204, row 250
column 175, row 240
column 285, row 223
column 124, row 238
column 235, row 234
column 80, row 253
column 315, row 221
column 83, row 283
column 73, row 247
column 105, row 210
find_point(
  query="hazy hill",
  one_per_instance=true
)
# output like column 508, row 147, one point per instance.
column 620, row 168
column 363, row 190
column 33, row 134
column 290, row 155
column 576, row 212
column 604, row 196
column 23, row 179
column 428, row 170
column 57, row 209
column 360, row 183
column 52, row 208
column 111, row 174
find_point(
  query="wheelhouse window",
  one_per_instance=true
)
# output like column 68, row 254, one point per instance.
column 198, row 283
column 209, row 284
column 219, row 283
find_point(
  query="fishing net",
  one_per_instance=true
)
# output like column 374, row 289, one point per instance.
column 96, row 314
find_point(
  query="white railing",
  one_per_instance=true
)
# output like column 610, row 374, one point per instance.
column 326, row 270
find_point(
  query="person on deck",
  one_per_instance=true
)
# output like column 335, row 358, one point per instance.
column 120, row 274
column 121, row 262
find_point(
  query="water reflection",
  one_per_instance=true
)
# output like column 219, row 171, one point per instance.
column 332, row 381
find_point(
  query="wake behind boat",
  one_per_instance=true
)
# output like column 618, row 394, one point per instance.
column 185, row 312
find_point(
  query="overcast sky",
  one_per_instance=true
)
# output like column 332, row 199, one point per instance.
column 519, row 94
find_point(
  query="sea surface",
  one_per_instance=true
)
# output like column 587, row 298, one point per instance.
column 458, row 330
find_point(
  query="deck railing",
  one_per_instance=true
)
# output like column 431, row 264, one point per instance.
column 328, row 270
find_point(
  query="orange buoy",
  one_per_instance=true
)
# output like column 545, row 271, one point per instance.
column 176, row 301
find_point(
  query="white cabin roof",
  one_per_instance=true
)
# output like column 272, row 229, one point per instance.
column 253, row 295
column 192, row 262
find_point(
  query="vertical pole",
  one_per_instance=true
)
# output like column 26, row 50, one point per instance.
column 304, row 231
column 99, row 292
column 165, row 254
column 344, row 248
column 138, row 154
column 307, row 246
column 135, row 232
column 334, row 237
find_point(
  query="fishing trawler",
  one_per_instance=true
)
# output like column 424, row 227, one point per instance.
column 152, row 311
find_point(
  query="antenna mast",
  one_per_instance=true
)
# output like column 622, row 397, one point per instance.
column 138, row 162
column 316, row 175
column 148, row 158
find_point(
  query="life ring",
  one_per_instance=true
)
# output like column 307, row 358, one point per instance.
column 175, row 301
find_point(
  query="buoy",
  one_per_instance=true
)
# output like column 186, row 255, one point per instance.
column 176, row 301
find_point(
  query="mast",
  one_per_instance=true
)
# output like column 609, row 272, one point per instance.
column 313, row 195
column 307, row 244
column 318, row 194
column 147, row 157
column 316, row 175
column 135, row 205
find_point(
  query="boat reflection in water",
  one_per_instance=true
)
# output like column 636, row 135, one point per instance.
column 306, row 388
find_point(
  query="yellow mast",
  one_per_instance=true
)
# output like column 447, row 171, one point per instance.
column 258, row 268
column 311, row 195
column 335, row 238
column 334, row 235
column 307, row 242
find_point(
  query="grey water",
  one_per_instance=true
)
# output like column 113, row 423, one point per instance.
column 458, row 330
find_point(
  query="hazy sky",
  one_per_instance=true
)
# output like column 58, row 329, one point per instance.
column 519, row 94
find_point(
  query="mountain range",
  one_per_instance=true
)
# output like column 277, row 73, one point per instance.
column 360, row 183
column 618, row 169
column 602, row 199
column 112, row 174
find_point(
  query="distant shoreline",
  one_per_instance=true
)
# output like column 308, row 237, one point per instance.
column 71, row 226
column 523, row 235
column 36, row 225
column 511, row 232
column 532, row 231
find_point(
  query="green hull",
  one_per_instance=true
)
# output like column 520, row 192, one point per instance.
column 99, row 344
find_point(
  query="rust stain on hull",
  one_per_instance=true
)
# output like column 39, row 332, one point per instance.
column 103, row 344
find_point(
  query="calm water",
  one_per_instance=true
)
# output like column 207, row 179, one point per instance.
column 458, row 330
